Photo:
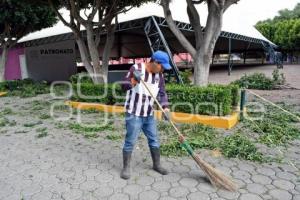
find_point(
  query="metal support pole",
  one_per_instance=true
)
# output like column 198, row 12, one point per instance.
column 229, row 57
column 157, row 41
column 242, row 104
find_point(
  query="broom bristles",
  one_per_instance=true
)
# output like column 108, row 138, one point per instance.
column 216, row 177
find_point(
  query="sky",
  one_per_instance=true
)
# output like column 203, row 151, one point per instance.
column 239, row 18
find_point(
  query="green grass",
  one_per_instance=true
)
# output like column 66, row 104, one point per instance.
column 90, row 135
column 6, row 122
column 114, row 137
column 21, row 131
column 44, row 116
column 276, row 128
column 89, row 128
column 6, row 111
column 239, row 146
column 3, row 121
column 42, row 132
column 198, row 136
column 89, row 131
column 59, row 125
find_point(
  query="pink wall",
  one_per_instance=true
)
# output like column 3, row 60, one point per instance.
column 12, row 68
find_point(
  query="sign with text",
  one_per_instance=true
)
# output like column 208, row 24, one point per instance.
column 51, row 62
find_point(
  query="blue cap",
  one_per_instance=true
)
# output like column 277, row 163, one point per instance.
column 162, row 58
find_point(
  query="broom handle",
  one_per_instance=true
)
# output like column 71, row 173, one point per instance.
column 161, row 108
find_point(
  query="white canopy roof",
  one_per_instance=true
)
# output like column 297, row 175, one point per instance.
column 149, row 9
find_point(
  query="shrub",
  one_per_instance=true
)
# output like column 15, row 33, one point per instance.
column 235, row 93
column 24, row 88
column 223, row 97
column 255, row 81
column 101, row 93
column 278, row 78
column 185, row 75
column 85, row 78
column 211, row 100
column 260, row 81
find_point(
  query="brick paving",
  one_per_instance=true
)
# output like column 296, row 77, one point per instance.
column 66, row 166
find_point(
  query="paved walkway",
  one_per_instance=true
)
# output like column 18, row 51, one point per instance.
column 66, row 166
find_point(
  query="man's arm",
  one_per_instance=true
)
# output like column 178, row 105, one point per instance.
column 163, row 97
column 129, row 81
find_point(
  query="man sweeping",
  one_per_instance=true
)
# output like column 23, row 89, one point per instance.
column 139, row 108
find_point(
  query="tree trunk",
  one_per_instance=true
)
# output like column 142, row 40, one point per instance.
column 205, row 53
column 98, row 73
column 3, row 63
column 84, row 56
column 107, row 49
column 201, row 72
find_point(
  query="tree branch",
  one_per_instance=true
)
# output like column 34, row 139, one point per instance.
column 216, row 3
column 98, row 36
column 228, row 3
column 71, row 25
column 96, row 5
column 58, row 14
column 195, row 22
column 178, row 34
column 198, row 2
column 213, row 26
column 76, row 14
column 85, row 14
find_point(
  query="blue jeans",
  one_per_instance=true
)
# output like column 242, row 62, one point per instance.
column 136, row 124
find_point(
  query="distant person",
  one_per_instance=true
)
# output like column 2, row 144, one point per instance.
column 279, row 60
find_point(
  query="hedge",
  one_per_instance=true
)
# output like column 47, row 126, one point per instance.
column 180, row 96
column 88, row 91
column 24, row 88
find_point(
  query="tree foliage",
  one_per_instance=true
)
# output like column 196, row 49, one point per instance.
column 283, row 30
column 17, row 19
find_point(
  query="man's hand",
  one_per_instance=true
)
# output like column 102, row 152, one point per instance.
column 133, row 82
column 137, row 76
column 181, row 138
column 166, row 114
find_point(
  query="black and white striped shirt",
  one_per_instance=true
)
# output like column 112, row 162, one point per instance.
column 138, row 101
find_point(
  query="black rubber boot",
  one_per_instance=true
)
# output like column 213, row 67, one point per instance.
column 125, row 173
column 155, row 154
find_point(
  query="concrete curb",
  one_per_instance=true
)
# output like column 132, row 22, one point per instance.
column 226, row 122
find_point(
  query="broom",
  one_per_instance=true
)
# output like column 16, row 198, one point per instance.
column 216, row 177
